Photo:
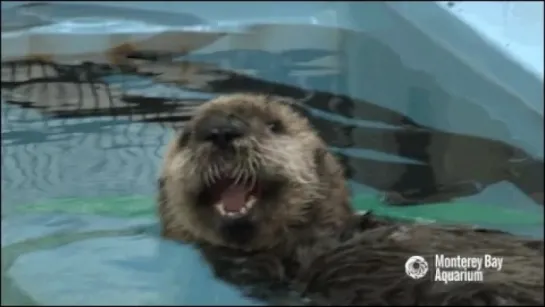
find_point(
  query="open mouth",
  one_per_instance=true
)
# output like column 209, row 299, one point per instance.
column 232, row 199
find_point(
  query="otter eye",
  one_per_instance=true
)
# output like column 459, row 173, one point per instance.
column 275, row 126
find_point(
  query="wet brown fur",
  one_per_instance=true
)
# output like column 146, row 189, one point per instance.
column 313, row 250
column 368, row 269
column 314, row 196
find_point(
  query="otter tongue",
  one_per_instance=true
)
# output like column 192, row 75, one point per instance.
column 234, row 198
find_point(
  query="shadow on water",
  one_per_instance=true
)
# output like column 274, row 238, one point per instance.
column 128, row 110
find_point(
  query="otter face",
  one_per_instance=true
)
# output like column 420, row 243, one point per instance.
column 245, row 168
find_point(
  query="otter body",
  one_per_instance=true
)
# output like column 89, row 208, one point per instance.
column 369, row 269
column 252, row 185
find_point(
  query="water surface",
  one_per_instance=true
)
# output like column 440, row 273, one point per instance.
column 81, row 146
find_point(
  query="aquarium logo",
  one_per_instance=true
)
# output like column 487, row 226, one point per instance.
column 416, row 267
column 448, row 268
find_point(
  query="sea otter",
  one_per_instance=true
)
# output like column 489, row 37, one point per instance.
column 253, row 186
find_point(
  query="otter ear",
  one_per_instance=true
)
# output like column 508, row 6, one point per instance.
column 296, row 104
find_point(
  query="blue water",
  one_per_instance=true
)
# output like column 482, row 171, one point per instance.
column 105, row 249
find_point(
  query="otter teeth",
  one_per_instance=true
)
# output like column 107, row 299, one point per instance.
column 249, row 204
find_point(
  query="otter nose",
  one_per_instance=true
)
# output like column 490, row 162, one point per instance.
column 220, row 129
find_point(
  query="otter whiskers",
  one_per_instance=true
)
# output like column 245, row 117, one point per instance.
column 284, row 158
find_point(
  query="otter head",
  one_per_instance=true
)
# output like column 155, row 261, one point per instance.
column 246, row 171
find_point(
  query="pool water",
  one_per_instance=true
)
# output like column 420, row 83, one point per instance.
column 95, row 238
column 81, row 147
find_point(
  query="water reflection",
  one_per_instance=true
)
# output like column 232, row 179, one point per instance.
column 441, row 165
